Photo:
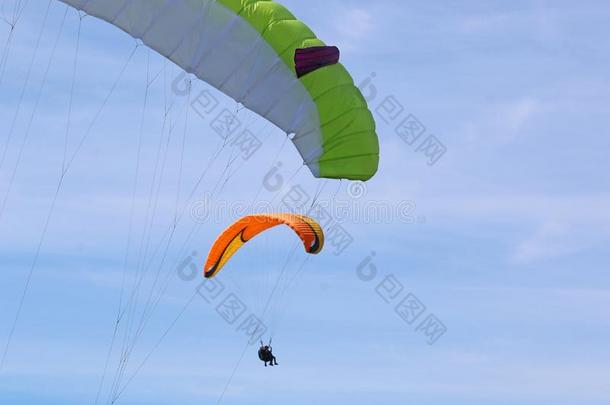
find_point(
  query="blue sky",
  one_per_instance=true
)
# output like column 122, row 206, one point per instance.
column 505, row 241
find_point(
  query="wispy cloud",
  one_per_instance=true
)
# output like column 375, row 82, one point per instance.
column 353, row 26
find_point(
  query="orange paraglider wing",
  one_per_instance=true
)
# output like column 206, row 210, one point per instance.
column 236, row 235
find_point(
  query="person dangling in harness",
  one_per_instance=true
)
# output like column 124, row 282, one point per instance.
column 265, row 354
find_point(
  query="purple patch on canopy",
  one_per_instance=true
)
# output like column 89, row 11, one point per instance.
column 307, row 60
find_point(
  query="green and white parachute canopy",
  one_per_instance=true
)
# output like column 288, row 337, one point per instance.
column 250, row 50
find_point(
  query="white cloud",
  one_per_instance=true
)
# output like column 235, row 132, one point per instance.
column 356, row 24
column 484, row 23
column 505, row 121
column 352, row 27
column 519, row 112
column 552, row 239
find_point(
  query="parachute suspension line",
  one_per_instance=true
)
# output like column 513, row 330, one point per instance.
column 174, row 224
column 33, row 265
column 191, row 234
column 6, row 20
column 273, row 162
column 285, row 283
column 3, row 11
column 154, row 348
column 151, row 304
column 99, row 112
column 244, row 161
column 316, row 196
column 292, row 177
column 230, row 379
column 313, row 203
column 295, row 245
column 169, row 234
column 230, row 162
column 289, row 282
column 6, row 48
column 32, row 115
column 135, row 184
column 127, row 308
column 195, row 228
column 52, row 210
column 161, row 294
column 72, row 86
column 337, row 191
column 280, row 288
column 117, row 389
column 238, row 107
column 299, row 271
column 182, row 147
column 149, row 307
column 150, row 82
column 216, row 190
column 17, row 11
column 145, row 239
column 24, row 87
column 226, row 139
column 195, row 188
column 163, row 288
column 177, row 213
column 243, row 353
column 216, row 155
column 120, row 312
column 151, row 203
column 281, row 302
column 154, row 191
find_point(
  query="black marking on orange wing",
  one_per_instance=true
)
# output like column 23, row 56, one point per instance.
column 209, row 273
column 316, row 243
